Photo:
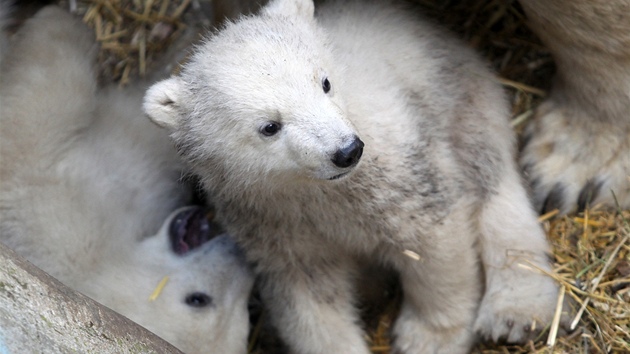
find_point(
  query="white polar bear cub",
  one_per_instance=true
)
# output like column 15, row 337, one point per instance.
column 85, row 183
column 361, row 133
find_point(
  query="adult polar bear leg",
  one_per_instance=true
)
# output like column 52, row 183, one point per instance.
column 513, row 245
column 578, row 146
column 441, row 288
column 311, row 307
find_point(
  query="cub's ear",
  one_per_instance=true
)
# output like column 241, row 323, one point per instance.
column 162, row 103
column 291, row 8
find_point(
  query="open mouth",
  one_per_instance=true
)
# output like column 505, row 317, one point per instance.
column 191, row 228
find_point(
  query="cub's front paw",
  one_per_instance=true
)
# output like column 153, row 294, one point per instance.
column 573, row 161
column 517, row 310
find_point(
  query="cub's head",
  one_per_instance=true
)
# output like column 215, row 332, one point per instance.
column 260, row 100
column 201, row 304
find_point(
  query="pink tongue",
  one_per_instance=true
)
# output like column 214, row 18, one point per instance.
column 190, row 229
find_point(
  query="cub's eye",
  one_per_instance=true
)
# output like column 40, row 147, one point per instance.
column 326, row 85
column 270, row 128
column 198, row 300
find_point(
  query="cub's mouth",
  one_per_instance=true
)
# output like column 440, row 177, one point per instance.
column 341, row 175
column 191, row 228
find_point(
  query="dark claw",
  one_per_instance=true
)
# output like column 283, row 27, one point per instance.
column 554, row 199
column 484, row 336
column 524, row 141
column 550, row 258
column 532, row 182
column 588, row 193
column 620, row 286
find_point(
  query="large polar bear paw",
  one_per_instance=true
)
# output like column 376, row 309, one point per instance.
column 516, row 311
column 573, row 161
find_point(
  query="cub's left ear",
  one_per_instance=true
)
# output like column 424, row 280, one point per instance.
column 162, row 103
column 291, row 8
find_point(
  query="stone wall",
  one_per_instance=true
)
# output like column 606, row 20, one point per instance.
column 38, row 314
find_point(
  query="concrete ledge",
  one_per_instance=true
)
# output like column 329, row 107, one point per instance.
column 38, row 314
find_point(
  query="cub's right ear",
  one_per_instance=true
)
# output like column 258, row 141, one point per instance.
column 162, row 103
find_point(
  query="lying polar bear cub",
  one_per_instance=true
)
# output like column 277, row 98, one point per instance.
column 362, row 132
column 85, row 183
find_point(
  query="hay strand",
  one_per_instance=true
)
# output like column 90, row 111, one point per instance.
column 555, row 323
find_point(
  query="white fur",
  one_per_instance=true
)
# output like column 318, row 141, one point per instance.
column 85, row 183
column 437, row 176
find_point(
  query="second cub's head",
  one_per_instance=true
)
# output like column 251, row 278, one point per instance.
column 260, row 99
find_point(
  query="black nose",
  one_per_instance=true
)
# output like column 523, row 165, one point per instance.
column 349, row 155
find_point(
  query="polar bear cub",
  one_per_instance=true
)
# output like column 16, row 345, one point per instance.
column 85, row 183
column 362, row 132
column 202, row 307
